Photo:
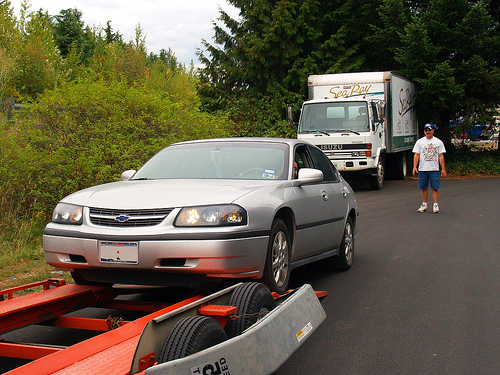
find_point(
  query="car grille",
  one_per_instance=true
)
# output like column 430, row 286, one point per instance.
column 128, row 218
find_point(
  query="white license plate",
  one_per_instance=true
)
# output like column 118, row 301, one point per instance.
column 119, row 252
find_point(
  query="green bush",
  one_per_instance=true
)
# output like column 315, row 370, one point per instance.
column 87, row 133
column 466, row 162
column 260, row 117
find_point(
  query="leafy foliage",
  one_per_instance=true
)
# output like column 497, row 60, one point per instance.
column 467, row 162
column 87, row 132
column 451, row 48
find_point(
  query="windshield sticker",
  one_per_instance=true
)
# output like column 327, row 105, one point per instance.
column 269, row 173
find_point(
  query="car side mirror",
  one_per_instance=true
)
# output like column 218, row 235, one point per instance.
column 308, row 176
column 127, row 174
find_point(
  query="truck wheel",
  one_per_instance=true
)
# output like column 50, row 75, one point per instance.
column 191, row 335
column 343, row 261
column 277, row 267
column 400, row 166
column 377, row 182
column 250, row 299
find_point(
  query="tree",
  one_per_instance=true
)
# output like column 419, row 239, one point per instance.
column 8, row 26
column 8, row 37
column 270, row 50
column 110, row 36
column 38, row 60
column 69, row 31
column 274, row 46
column 451, row 49
column 385, row 35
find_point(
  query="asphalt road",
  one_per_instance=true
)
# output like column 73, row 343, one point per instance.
column 423, row 296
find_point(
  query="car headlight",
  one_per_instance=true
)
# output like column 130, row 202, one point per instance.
column 65, row 213
column 211, row 216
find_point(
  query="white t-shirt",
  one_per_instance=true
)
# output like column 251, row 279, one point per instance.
column 429, row 150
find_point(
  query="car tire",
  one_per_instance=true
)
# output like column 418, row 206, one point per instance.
column 250, row 299
column 277, row 268
column 80, row 280
column 191, row 335
column 343, row 261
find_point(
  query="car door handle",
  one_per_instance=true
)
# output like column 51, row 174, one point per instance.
column 324, row 195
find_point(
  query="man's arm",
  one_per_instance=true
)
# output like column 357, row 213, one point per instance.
column 415, row 163
column 441, row 161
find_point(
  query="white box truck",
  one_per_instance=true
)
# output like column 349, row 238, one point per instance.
column 365, row 123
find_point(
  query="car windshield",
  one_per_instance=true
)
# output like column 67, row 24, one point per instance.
column 219, row 160
column 332, row 117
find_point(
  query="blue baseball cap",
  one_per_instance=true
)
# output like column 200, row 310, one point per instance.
column 430, row 126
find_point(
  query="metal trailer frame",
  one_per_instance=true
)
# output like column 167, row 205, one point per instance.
column 132, row 347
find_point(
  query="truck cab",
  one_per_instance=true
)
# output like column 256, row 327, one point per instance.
column 350, row 132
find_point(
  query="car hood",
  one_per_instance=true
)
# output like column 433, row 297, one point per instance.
column 165, row 193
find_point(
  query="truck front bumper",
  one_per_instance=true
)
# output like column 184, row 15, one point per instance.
column 367, row 165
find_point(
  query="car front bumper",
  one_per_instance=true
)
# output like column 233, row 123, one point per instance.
column 236, row 256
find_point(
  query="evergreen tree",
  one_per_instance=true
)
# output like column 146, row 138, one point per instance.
column 450, row 48
column 69, row 30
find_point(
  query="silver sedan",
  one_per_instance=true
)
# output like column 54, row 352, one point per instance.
column 223, row 208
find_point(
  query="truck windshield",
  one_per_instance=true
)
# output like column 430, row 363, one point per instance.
column 334, row 117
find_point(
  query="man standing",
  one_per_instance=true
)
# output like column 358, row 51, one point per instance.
column 429, row 154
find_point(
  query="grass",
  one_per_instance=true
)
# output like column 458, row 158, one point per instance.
column 21, row 255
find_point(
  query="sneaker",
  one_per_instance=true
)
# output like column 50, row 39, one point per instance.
column 435, row 209
column 422, row 208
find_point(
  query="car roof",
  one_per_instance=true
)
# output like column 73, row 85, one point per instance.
column 290, row 141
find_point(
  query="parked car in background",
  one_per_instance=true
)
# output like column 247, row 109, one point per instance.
column 223, row 208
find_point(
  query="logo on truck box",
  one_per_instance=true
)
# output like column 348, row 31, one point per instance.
column 350, row 90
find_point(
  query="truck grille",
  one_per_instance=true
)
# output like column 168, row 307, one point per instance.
column 128, row 218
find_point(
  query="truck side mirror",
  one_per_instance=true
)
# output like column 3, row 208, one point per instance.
column 382, row 113
column 289, row 113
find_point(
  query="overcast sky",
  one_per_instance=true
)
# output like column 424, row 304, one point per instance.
column 176, row 24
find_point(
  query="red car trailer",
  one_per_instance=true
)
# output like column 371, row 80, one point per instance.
column 234, row 331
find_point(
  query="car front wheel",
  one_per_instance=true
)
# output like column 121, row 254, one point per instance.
column 277, row 267
column 343, row 261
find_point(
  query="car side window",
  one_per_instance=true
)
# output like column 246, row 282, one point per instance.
column 324, row 164
column 301, row 160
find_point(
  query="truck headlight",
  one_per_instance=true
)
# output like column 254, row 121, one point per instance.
column 211, row 216
column 65, row 213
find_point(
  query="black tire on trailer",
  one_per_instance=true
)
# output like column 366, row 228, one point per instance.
column 191, row 335
column 250, row 299
column 277, row 268
column 344, row 260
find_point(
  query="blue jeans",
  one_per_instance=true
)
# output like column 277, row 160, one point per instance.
column 425, row 177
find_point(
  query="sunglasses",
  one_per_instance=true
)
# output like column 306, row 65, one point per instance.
column 428, row 130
